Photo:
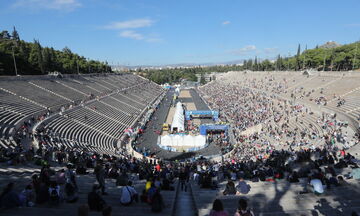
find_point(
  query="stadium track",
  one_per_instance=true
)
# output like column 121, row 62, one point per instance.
column 149, row 138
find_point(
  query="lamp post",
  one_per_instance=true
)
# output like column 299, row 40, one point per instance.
column 304, row 60
column 324, row 60
column 77, row 65
column 88, row 65
column 353, row 65
column 289, row 61
column 13, row 54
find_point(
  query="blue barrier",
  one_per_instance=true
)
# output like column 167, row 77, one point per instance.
column 189, row 113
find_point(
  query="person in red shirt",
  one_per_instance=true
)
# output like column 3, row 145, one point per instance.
column 157, row 167
column 342, row 153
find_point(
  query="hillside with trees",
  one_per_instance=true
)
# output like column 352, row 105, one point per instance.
column 170, row 75
column 328, row 57
column 34, row 59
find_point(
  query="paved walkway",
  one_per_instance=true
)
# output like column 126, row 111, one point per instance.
column 188, row 102
column 200, row 105
column 149, row 138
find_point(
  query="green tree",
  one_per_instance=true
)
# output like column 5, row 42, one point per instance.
column 32, row 58
column 202, row 79
column 255, row 64
column 245, row 65
column 5, row 35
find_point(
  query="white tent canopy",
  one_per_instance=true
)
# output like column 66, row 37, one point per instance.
column 178, row 119
column 166, row 139
column 182, row 140
column 188, row 140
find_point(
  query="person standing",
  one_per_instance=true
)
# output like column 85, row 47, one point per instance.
column 70, row 175
column 100, row 177
column 184, row 178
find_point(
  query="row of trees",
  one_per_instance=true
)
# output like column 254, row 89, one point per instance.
column 32, row 58
column 346, row 57
column 171, row 75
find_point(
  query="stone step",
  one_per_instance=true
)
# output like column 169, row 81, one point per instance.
column 71, row 209
column 318, row 212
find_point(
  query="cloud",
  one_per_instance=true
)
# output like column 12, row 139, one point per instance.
column 130, row 24
column 131, row 34
column 138, row 36
column 127, row 32
column 226, row 22
column 244, row 50
column 64, row 5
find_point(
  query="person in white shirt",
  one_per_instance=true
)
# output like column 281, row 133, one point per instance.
column 54, row 192
column 317, row 185
column 128, row 194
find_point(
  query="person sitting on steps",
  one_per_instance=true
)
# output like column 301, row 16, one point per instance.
column 243, row 187
column 218, row 209
column 242, row 209
column 128, row 195
column 230, row 188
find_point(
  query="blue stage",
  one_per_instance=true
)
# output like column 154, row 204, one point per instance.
column 206, row 127
column 214, row 114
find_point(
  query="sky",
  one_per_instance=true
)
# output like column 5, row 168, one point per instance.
column 160, row 32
